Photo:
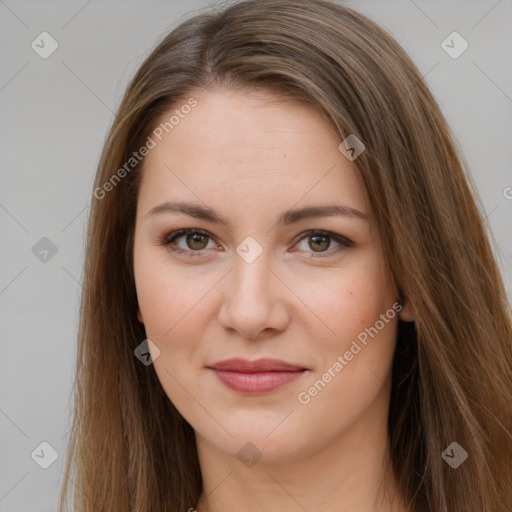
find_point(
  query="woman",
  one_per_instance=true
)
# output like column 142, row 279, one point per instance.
column 290, row 301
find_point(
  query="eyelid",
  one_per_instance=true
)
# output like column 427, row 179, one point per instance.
column 343, row 242
column 172, row 236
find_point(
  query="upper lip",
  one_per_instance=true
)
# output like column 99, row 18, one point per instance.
column 260, row 365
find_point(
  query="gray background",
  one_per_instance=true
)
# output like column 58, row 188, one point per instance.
column 55, row 113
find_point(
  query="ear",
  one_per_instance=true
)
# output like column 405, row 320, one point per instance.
column 139, row 316
column 406, row 314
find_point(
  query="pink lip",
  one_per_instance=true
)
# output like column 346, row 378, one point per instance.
column 261, row 376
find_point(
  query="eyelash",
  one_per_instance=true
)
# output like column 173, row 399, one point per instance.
column 173, row 236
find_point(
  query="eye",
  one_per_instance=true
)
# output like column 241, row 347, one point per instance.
column 319, row 241
column 196, row 240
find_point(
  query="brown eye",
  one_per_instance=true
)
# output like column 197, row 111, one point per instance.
column 196, row 241
column 319, row 243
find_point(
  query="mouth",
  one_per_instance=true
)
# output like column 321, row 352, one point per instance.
column 255, row 377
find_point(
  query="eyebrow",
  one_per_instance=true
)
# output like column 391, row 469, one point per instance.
column 288, row 217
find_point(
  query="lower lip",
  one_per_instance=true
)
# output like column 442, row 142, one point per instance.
column 262, row 382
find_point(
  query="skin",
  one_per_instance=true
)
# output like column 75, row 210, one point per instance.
column 250, row 158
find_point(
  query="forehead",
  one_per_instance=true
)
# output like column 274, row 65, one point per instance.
column 248, row 148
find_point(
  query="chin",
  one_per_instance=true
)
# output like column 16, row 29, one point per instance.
column 260, row 440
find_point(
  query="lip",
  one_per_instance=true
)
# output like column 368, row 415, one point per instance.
column 254, row 377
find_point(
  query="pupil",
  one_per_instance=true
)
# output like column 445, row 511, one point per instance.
column 316, row 238
column 196, row 239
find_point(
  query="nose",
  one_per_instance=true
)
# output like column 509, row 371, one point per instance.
column 254, row 300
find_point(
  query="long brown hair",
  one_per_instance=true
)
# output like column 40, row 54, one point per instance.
column 452, row 374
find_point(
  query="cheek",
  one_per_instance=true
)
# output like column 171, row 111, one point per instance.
column 349, row 299
column 173, row 301
column 356, row 360
column 174, row 319
column 356, row 303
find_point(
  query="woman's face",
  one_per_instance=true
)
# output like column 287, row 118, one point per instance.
column 262, row 282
